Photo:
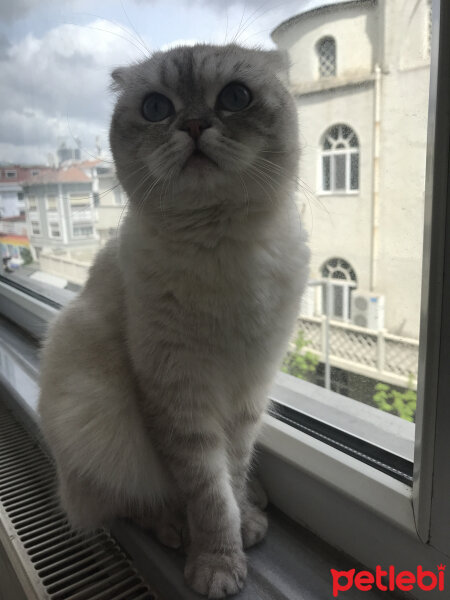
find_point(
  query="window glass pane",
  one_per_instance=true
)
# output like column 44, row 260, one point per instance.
column 339, row 172
column 338, row 301
column 54, row 229
column 52, row 203
column 326, row 176
column 354, row 171
column 64, row 199
column 327, row 57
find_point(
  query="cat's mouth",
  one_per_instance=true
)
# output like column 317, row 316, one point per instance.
column 199, row 158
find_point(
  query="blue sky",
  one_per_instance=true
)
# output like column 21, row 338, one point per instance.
column 56, row 56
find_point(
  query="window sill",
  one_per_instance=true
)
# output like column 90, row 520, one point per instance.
column 332, row 494
column 323, row 194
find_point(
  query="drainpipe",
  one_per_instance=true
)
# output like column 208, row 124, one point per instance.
column 376, row 181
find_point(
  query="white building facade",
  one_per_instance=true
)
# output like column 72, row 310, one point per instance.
column 362, row 96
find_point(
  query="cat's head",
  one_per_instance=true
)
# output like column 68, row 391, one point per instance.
column 207, row 122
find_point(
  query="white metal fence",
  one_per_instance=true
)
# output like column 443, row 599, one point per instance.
column 376, row 354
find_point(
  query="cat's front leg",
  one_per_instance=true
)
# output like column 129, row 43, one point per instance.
column 241, row 442
column 216, row 564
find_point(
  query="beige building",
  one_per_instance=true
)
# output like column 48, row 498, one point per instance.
column 362, row 95
column 110, row 200
column 360, row 74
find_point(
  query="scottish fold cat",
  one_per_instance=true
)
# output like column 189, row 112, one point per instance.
column 155, row 378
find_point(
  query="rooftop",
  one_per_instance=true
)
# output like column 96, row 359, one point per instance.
column 316, row 6
column 69, row 174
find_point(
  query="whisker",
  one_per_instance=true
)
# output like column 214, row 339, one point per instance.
column 134, row 29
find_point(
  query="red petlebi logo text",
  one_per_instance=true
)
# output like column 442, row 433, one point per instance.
column 389, row 580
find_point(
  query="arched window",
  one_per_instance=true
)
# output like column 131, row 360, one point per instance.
column 326, row 50
column 340, row 160
column 344, row 280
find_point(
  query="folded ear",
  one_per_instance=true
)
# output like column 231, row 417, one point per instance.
column 277, row 60
column 119, row 79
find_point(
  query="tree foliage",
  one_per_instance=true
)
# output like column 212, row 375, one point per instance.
column 403, row 404
column 26, row 256
column 300, row 362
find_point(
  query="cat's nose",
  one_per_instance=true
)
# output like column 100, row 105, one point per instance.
column 195, row 127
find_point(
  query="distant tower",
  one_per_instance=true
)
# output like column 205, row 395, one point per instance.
column 66, row 154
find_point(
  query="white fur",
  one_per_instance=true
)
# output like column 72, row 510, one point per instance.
column 182, row 325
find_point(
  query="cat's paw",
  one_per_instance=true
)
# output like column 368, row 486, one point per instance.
column 169, row 527
column 216, row 575
column 254, row 526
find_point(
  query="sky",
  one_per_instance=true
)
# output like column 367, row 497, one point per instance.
column 56, row 57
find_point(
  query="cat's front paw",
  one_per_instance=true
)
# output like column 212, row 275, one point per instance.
column 254, row 526
column 169, row 525
column 216, row 575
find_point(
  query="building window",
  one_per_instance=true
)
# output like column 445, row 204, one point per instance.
column 35, row 228
column 81, row 207
column 80, row 201
column 32, row 204
column 52, row 204
column 340, row 160
column 54, row 228
column 35, row 172
column 11, row 174
column 344, row 281
column 83, row 230
column 326, row 50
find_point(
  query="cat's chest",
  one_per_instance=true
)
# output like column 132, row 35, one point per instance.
column 235, row 286
column 228, row 294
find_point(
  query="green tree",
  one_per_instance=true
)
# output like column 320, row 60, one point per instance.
column 299, row 362
column 26, row 256
column 403, row 404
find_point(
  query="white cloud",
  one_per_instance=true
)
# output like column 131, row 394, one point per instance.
column 16, row 9
column 58, row 87
column 57, row 82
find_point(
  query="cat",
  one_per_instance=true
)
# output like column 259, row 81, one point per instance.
column 155, row 378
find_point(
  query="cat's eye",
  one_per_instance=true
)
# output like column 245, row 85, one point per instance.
column 157, row 107
column 234, row 97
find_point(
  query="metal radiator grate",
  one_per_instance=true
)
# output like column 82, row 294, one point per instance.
column 56, row 562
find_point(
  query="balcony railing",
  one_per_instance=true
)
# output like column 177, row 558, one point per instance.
column 376, row 354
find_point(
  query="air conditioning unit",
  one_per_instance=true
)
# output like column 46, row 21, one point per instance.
column 368, row 310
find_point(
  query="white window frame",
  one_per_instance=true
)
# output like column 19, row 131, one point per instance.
column 51, row 232
column 38, row 222
column 347, row 152
column 88, row 205
column 331, row 284
column 10, row 173
column 358, row 509
column 82, row 225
